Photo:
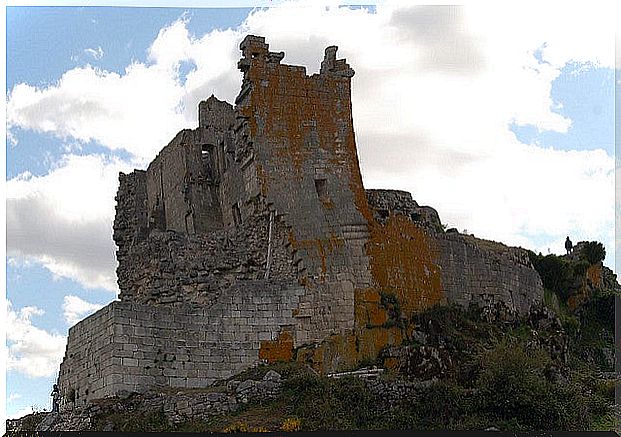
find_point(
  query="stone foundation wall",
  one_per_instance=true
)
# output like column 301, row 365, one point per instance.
column 87, row 369
column 486, row 273
column 134, row 347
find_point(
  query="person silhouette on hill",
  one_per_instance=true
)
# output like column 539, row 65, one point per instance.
column 568, row 245
column 55, row 399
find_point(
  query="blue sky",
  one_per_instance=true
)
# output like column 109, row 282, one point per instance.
column 93, row 91
column 586, row 94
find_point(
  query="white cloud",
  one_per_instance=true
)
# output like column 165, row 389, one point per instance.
column 31, row 351
column 435, row 91
column 14, row 396
column 64, row 219
column 21, row 413
column 95, row 53
column 76, row 309
column 136, row 111
column 171, row 46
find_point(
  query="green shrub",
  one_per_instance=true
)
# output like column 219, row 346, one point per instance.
column 594, row 252
column 512, row 388
column 556, row 273
column 600, row 309
column 581, row 267
column 393, row 309
column 443, row 405
column 322, row 403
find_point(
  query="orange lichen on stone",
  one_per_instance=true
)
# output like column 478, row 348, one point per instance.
column 368, row 310
column 372, row 340
column 318, row 248
column 294, row 118
column 594, row 275
column 263, row 179
column 592, row 278
column 377, row 316
column 337, row 352
column 403, row 263
column 402, row 256
column 391, row 363
column 280, row 349
column 293, row 111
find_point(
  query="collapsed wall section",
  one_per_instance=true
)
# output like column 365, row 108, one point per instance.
column 134, row 347
column 173, row 267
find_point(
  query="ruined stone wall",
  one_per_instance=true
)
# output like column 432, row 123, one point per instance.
column 485, row 273
column 178, row 188
column 299, row 142
column 134, row 347
column 252, row 236
column 171, row 267
column 130, row 222
column 472, row 271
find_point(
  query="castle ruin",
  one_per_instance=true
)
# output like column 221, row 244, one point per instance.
column 252, row 239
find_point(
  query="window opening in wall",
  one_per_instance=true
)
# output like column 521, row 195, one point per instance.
column 206, row 157
column 321, row 188
column 236, row 215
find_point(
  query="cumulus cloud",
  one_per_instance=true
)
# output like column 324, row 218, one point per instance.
column 31, row 351
column 439, row 37
column 64, row 219
column 136, row 111
column 95, row 53
column 76, row 309
column 435, row 93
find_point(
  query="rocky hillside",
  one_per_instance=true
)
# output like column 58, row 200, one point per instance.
column 549, row 370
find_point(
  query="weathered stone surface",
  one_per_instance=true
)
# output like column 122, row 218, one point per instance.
column 251, row 238
column 185, row 348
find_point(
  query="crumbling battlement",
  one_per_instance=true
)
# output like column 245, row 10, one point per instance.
column 251, row 238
